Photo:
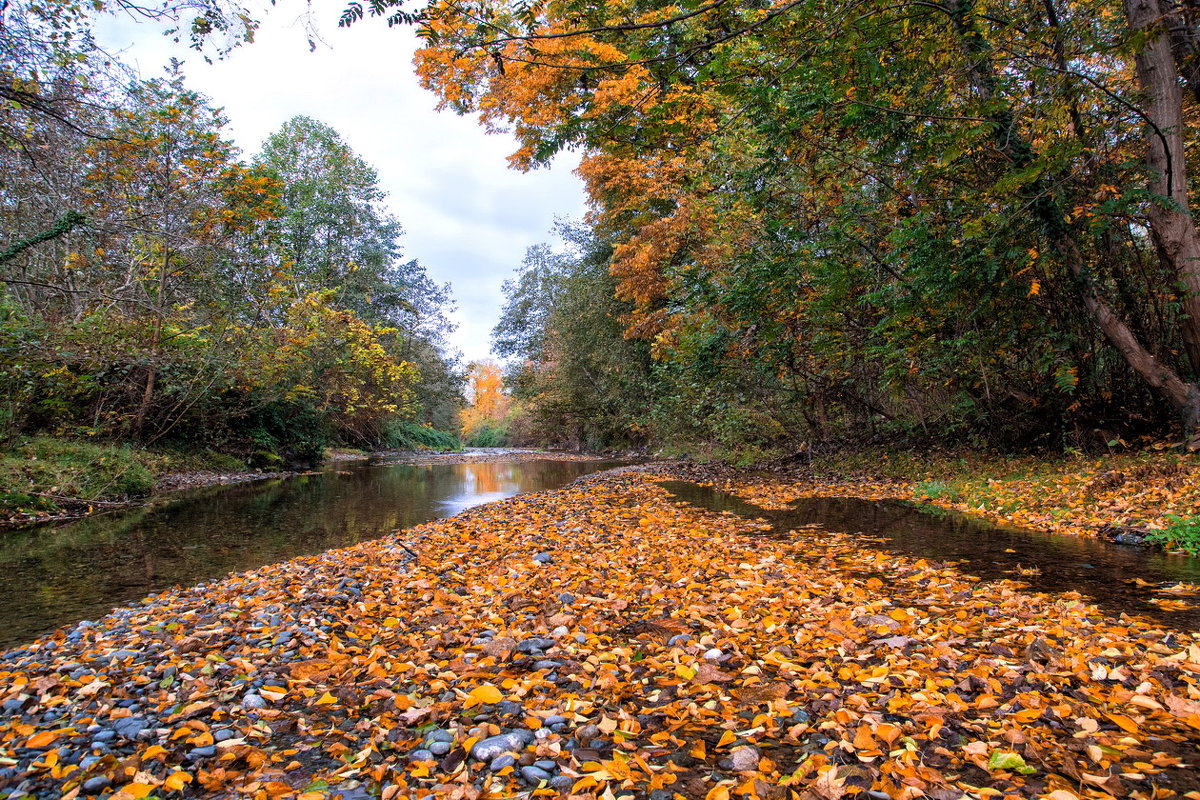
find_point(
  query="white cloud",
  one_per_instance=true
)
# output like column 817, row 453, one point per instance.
column 467, row 216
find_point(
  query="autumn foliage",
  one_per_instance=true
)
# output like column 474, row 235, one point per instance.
column 927, row 221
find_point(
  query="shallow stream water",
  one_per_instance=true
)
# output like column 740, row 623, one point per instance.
column 1116, row 577
column 55, row 575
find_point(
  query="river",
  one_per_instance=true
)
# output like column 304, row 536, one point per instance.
column 59, row 574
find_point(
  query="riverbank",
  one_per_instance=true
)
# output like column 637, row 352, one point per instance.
column 603, row 640
column 1120, row 497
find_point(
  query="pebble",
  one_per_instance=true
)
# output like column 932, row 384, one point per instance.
column 549, row 765
column 554, row 719
column 439, row 736
column 562, row 782
column 96, row 785
column 439, row 748
column 421, row 755
column 253, row 701
column 489, row 748
column 566, row 598
column 207, row 751
column 502, row 761
column 543, row 558
column 534, row 644
column 222, row 734
column 678, row 640
column 534, row 775
column 128, row 727
column 713, row 654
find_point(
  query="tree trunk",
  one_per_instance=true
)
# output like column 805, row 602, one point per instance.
column 1170, row 219
column 1176, row 239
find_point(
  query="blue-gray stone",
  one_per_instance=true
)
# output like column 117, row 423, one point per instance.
column 502, row 761
column 207, row 751
column 511, row 742
column 253, row 701
column 439, row 736
column 440, row 748
column 221, row 734
column 554, row 719
column 128, row 727
column 420, row 755
column 562, row 782
column 543, row 558
column 534, row 775
column 96, row 785
column 547, row 764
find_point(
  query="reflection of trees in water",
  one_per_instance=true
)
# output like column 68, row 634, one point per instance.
column 1065, row 563
column 57, row 575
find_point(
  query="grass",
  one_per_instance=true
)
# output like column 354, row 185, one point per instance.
column 42, row 474
column 1181, row 533
column 413, row 436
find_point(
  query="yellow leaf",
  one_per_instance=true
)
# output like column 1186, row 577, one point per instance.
column 487, row 693
column 1124, row 722
column 727, row 738
column 41, row 739
column 176, row 781
column 327, row 700
column 137, row 789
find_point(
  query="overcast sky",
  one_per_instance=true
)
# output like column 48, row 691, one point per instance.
column 468, row 218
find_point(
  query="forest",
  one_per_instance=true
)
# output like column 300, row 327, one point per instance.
column 812, row 225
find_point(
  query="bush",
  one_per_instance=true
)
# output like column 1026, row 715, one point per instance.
column 400, row 435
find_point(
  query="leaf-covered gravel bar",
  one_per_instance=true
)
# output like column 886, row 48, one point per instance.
column 602, row 640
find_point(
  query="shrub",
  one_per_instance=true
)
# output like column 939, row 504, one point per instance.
column 488, row 434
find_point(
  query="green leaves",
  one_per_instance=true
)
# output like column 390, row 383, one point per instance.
column 1009, row 761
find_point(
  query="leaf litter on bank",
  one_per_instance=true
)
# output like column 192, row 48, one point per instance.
column 662, row 653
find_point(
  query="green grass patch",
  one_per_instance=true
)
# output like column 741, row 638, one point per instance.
column 1181, row 533
column 40, row 473
column 936, row 490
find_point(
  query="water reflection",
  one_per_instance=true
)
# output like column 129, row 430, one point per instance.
column 57, row 575
column 1116, row 577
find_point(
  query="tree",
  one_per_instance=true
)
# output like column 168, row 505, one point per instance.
column 1014, row 172
column 579, row 382
column 335, row 235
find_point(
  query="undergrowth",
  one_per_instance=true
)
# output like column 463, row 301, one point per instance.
column 414, row 436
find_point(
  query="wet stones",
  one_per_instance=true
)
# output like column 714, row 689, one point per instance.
column 130, row 727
